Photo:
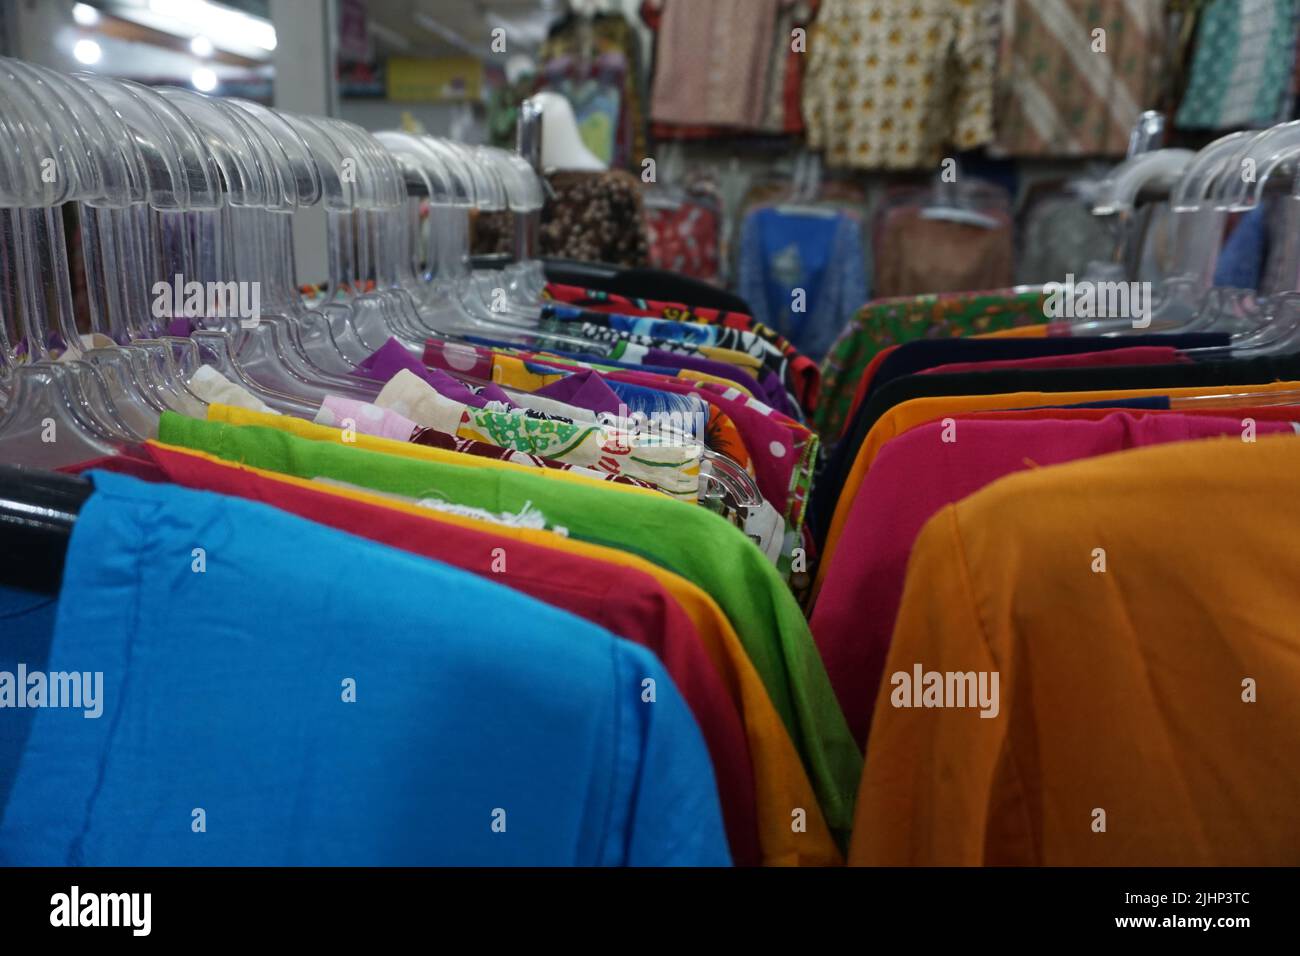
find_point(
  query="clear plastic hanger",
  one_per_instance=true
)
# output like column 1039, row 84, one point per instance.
column 1196, row 229
column 193, row 172
column 1239, row 188
column 55, row 413
column 452, row 310
column 275, row 175
column 448, row 186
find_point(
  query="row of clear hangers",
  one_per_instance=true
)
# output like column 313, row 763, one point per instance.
column 168, row 183
column 1202, row 189
column 1197, row 191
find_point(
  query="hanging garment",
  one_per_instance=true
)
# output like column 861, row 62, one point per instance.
column 712, row 62
column 674, row 469
column 902, row 417
column 349, row 415
column 1060, row 236
column 644, row 611
column 1242, row 65
column 595, row 91
column 595, row 217
column 1074, row 75
column 688, row 540
column 598, row 36
column 187, row 721
column 685, row 238
column 882, row 323
column 1133, row 355
column 922, row 355
column 803, row 377
column 916, row 255
column 1147, row 675
column 918, row 473
column 803, row 273
column 892, row 86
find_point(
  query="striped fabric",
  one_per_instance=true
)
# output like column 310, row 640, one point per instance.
column 1064, row 89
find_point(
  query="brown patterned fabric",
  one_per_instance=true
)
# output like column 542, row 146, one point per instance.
column 596, row 217
column 593, row 217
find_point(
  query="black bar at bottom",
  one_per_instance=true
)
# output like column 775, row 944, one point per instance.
column 302, row 905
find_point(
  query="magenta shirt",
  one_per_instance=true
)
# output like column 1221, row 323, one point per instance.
column 916, row 475
column 1136, row 355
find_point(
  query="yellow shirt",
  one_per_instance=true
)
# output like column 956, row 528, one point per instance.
column 781, row 784
column 918, row 411
column 1123, row 686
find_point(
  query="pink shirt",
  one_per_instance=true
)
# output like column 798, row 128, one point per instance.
column 913, row 477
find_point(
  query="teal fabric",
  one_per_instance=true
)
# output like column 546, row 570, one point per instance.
column 1241, row 66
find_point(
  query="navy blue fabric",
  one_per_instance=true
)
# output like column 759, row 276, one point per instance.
column 913, row 357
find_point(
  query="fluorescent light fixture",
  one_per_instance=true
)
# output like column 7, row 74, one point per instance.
column 204, row 80
column 221, row 25
column 84, row 14
column 201, row 46
column 448, row 34
column 87, row 52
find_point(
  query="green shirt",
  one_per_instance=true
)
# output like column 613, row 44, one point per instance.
column 686, row 539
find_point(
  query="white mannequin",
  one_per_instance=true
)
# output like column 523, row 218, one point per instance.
column 562, row 146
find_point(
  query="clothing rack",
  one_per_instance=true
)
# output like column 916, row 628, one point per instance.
column 37, row 512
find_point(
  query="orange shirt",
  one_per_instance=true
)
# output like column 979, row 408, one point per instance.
column 1148, row 707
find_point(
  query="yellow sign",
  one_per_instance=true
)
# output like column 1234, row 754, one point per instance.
column 417, row 80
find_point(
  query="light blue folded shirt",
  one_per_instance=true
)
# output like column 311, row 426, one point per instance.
column 487, row 728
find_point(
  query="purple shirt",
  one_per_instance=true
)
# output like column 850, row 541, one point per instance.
column 391, row 357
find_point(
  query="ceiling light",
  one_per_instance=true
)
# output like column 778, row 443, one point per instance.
column 201, row 46
column 220, row 24
column 204, row 80
column 85, row 14
column 87, row 52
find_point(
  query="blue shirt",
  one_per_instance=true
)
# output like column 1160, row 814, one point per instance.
column 225, row 737
column 819, row 253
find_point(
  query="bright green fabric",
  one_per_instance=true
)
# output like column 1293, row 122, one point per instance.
column 684, row 538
